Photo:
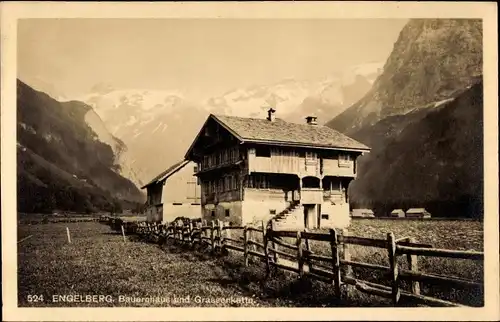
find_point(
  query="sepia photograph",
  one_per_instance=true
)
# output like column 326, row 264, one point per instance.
column 250, row 161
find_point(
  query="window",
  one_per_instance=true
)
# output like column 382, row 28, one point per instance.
column 195, row 169
column 272, row 211
column 177, row 203
column 234, row 182
column 234, row 154
column 344, row 160
column 345, row 157
column 325, row 216
column 263, row 152
column 227, row 212
column 213, row 213
column 311, row 156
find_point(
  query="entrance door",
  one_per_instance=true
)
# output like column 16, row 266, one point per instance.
column 310, row 216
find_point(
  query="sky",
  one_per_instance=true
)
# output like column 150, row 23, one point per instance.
column 197, row 56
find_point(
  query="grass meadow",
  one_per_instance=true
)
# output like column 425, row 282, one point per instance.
column 99, row 262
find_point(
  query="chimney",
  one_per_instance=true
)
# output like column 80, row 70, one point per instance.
column 311, row 120
column 270, row 114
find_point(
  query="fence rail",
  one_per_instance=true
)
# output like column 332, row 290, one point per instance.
column 277, row 251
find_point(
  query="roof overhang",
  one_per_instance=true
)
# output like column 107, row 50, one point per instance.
column 167, row 175
column 269, row 142
column 187, row 156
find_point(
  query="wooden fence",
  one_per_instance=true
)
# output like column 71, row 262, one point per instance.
column 44, row 221
column 277, row 252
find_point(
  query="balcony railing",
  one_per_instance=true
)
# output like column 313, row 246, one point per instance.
column 311, row 195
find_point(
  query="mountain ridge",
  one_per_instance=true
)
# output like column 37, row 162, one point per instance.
column 423, row 121
column 61, row 161
column 432, row 60
column 434, row 161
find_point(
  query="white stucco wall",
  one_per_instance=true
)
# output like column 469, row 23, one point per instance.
column 256, row 210
column 219, row 212
column 338, row 215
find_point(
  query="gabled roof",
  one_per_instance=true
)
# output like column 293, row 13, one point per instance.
column 280, row 132
column 397, row 210
column 167, row 173
column 416, row 210
column 362, row 210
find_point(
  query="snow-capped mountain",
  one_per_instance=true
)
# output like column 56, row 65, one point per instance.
column 121, row 153
column 292, row 98
column 158, row 126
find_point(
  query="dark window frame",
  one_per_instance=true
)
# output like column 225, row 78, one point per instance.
column 263, row 152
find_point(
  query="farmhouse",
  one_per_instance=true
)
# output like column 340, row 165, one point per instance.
column 417, row 213
column 397, row 213
column 362, row 213
column 254, row 169
column 174, row 192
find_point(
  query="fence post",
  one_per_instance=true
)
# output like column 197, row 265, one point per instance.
column 217, row 234
column 252, row 247
column 200, row 225
column 300, row 256
column 212, row 237
column 393, row 262
column 334, row 242
column 245, row 244
column 228, row 232
column 123, row 233
column 69, row 237
column 266, row 250
column 346, row 253
column 308, row 251
column 185, row 233
column 204, row 233
column 221, row 239
column 413, row 266
column 274, row 245
column 190, row 233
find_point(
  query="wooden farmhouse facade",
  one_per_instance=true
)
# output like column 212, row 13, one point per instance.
column 174, row 193
column 259, row 169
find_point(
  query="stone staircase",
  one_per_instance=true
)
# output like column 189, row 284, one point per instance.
column 286, row 218
column 283, row 215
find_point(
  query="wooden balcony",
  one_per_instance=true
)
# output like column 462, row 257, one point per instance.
column 333, row 196
column 311, row 196
column 300, row 166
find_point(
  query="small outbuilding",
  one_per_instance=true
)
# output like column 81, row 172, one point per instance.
column 362, row 213
column 174, row 193
column 418, row 213
column 397, row 213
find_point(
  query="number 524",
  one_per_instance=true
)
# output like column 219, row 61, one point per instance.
column 35, row 298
